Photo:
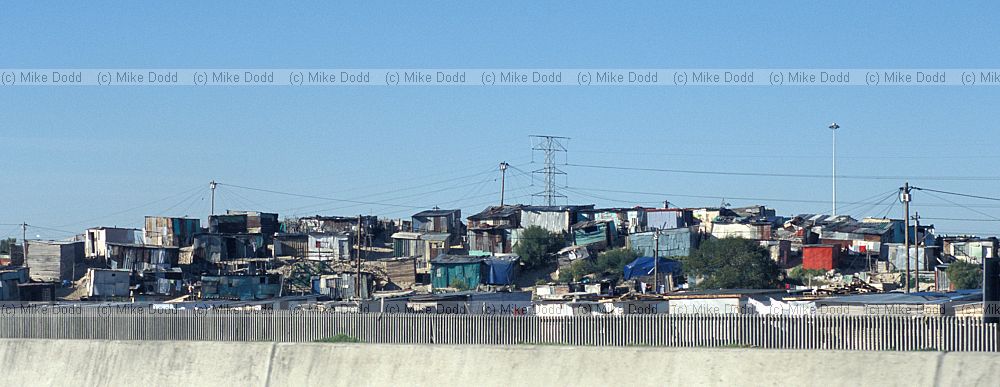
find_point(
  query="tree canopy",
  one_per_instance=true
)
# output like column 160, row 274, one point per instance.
column 537, row 246
column 733, row 263
column 964, row 275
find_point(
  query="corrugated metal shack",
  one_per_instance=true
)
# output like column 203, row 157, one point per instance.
column 171, row 232
column 314, row 246
column 343, row 286
column 329, row 247
column 425, row 245
column 108, row 284
column 968, row 249
column 131, row 257
column 667, row 218
column 557, row 219
column 11, row 253
column 678, row 242
column 922, row 257
column 754, row 231
column 820, row 257
column 619, row 217
column 291, row 245
column 55, row 260
column 240, row 287
column 490, row 230
column 38, row 291
column 329, row 224
column 438, row 220
column 401, row 271
column 227, row 224
column 599, row 234
column 9, row 281
column 216, row 248
column 97, row 239
column 259, row 222
column 465, row 270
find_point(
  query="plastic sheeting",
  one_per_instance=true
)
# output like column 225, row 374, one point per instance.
column 501, row 270
column 643, row 266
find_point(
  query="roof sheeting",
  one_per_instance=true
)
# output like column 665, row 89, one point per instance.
column 644, row 266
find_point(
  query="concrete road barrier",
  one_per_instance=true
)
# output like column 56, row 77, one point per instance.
column 115, row 363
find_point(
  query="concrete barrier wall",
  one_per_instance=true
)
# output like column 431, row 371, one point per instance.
column 174, row 363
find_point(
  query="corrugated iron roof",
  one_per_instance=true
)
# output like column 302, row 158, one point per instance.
column 438, row 212
column 445, row 259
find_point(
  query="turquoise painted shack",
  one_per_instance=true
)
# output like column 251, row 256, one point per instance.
column 467, row 270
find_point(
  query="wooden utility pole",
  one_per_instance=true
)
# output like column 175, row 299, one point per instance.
column 503, row 180
column 905, row 198
column 358, row 273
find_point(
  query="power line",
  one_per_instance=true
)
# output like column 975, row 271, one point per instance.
column 791, row 175
column 962, row 219
column 967, row 208
column 491, row 170
column 957, row 194
column 320, row 197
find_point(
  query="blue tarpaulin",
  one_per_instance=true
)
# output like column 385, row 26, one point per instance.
column 643, row 266
column 501, row 270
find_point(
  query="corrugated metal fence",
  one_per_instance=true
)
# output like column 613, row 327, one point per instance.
column 762, row 331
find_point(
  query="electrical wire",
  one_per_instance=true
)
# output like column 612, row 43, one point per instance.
column 790, row 175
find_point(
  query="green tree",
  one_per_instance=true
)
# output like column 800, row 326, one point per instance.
column 537, row 247
column 733, row 263
column 964, row 275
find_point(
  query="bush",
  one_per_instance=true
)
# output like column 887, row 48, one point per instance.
column 609, row 264
column 803, row 276
column 537, row 247
column 733, row 263
column 458, row 284
column 340, row 338
column 964, row 275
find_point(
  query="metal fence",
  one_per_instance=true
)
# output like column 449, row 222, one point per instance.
column 760, row 331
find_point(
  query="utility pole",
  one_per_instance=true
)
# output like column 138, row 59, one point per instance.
column 24, row 243
column 358, row 276
column 212, row 185
column 905, row 198
column 550, row 145
column 833, row 129
column 916, row 245
column 656, row 262
column 503, row 180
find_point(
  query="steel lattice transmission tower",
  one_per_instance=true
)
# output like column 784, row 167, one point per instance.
column 549, row 146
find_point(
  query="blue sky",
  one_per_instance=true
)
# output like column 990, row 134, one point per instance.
column 89, row 156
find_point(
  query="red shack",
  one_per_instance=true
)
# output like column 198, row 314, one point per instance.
column 822, row 257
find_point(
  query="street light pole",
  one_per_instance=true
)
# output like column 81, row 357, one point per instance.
column 833, row 129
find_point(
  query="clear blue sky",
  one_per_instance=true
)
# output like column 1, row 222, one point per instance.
column 90, row 156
